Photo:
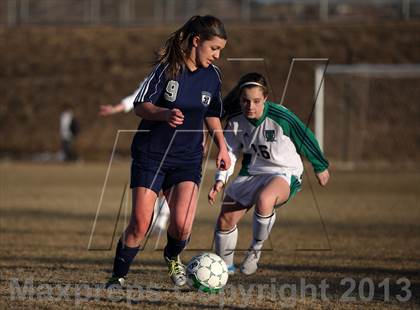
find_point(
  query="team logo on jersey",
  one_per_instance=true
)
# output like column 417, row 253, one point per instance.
column 205, row 98
column 270, row 135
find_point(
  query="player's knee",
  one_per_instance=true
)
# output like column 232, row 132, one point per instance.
column 180, row 226
column 184, row 235
column 138, row 229
column 180, row 233
column 266, row 202
column 265, row 199
column 225, row 223
column 265, row 205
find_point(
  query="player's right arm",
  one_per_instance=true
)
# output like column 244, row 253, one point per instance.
column 149, row 111
column 234, row 147
column 148, row 95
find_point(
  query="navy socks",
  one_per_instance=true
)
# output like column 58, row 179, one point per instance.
column 124, row 256
column 174, row 247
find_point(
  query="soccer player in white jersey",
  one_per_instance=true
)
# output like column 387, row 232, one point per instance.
column 125, row 105
column 161, row 209
column 271, row 138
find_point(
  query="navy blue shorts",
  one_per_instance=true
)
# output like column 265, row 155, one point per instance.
column 149, row 173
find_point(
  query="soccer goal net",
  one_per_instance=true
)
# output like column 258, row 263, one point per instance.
column 369, row 113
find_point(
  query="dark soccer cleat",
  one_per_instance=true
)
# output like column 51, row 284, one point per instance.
column 115, row 283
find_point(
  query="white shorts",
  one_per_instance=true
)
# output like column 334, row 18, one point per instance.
column 244, row 189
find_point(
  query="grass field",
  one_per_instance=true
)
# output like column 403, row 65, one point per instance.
column 353, row 244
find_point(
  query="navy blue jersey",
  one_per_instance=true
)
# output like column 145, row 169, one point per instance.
column 196, row 94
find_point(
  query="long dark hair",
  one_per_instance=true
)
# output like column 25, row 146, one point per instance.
column 179, row 43
column 231, row 100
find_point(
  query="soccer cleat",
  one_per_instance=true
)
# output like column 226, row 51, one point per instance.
column 249, row 265
column 231, row 269
column 115, row 282
column 176, row 271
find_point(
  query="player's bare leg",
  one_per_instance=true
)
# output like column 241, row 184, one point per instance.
column 230, row 214
column 182, row 200
column 128, row 245
column 141, row 216
column 274, row 193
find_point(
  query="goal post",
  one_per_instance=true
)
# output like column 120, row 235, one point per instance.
column 319, row 105
column 357, row 105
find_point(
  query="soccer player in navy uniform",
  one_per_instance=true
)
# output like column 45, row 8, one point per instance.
column 181, row 92
column 271, row 139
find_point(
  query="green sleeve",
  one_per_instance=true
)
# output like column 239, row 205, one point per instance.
column 301, row 136
column 306, row 143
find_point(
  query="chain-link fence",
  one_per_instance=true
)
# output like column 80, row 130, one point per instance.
column 137, row 12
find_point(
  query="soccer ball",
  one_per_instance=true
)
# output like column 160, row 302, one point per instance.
column 207, row 272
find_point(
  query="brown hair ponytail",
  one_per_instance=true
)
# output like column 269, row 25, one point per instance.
column 179, row 43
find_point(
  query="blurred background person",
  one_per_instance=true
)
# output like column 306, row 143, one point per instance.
column 69, row 129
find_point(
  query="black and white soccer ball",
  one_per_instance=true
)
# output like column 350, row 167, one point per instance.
column 207, row 272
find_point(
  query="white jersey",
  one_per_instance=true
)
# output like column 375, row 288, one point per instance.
column 272, row 144
column 128, row 101
column 66, row 119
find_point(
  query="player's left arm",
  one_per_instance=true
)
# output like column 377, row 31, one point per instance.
column 234, row 147
column 323, row 177
column 306, row 144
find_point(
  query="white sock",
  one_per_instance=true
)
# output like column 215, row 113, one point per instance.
column 225, row 244
column 261, row 228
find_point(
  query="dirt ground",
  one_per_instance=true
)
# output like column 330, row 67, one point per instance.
column 353, row 244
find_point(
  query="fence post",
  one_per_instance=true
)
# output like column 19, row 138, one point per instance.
column 95, row 11
column 24, row 12
column 11, row 12
column 125, row 12
column 323, row 10
column 158, row 11
column 191, row 7
column 86, row 11
column 406, row 9
column 169, row 10
column 245, row 10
